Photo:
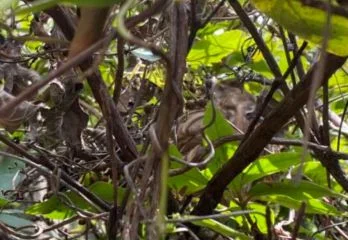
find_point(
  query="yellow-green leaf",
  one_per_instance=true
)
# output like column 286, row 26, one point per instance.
column 214, row 47
column 307, row 22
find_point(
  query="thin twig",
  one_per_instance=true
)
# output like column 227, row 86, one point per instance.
column 317, row 80
column 47, row 168
column 298, row 220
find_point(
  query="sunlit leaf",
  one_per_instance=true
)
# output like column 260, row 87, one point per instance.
column 220, row 128
column 338, row 86
column 307, row 22
column 5, row 4
column 215, row 27
column 313, row 206
column 299, row 191
column 105, row 191
column 259, row 216
column 38, row 6
column 215, row 47
column 315, row 171
column 264, row 166
column 55, row 208
column 156, row 76
column 220, row 228
column 3, row 202
column 108, row 72
column 190, row 181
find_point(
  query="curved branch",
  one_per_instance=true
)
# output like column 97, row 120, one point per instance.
column 250, row 149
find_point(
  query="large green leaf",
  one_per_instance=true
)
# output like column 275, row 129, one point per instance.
column 338, row 86
column 215, row 47
column 313, row 206
column 257, row 63
column 264, row 166
column 3, row 203
column 302, row 191
column 220, row 128
column 317, row 173
column 190, row 181
column 5, row 4
column 157, row 76
column 105, row 191
column 343, row 144
column 307, row 22
column 259, row 217
column 220, row 228
column 107, row 71
column 217, row 43
column 54, row 208
column 213, row 27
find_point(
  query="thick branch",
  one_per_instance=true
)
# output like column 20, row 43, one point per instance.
column 250, row 149
column 100, row 92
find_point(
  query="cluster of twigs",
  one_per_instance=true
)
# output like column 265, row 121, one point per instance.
column 144, row 173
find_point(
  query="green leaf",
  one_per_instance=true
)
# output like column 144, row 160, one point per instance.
column 5, row 4
column 309, row 227
column 307, row 22
column 258, row 217
column 315, row 171
column 313, row 206
column 264, row 166
column 220, row 228
column 54, row 207
column 3, row 203
column 190, row 181
column 88, row 178
column 156, row 75
column 211, row 28
column 40, row 5
column 338, row 85
column 215, row 47
column 302, row 191
column 105, row 191
column 343, row 144
column 220, row 128
column 257, row 63
column 107, row 71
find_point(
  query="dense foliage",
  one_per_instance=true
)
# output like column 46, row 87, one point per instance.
column 160, row 119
